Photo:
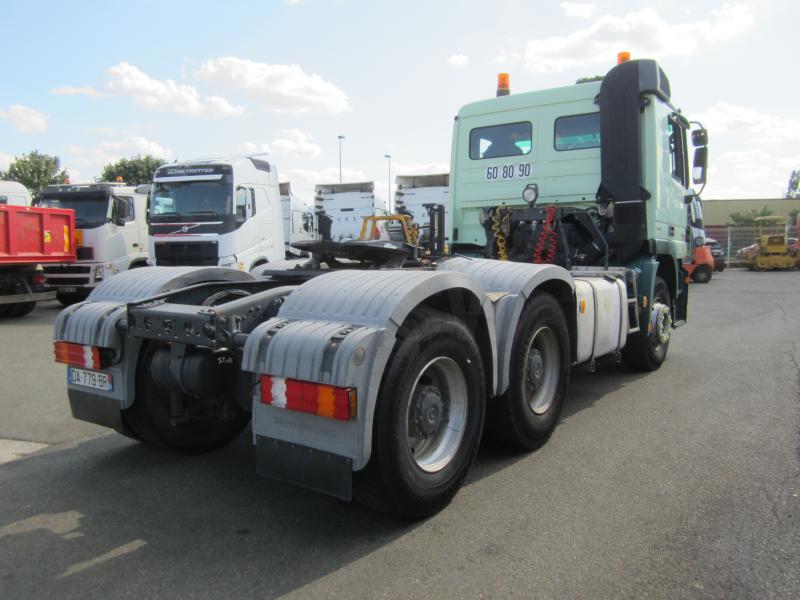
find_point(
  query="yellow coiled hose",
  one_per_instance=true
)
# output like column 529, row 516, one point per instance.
column 499, row 234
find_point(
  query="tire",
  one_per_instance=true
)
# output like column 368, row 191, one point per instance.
column 525, row 416
column 70, row 299
column 148, row 418
column 644, row 352
column 18, row 309
column 434, row 377
column 702, row 274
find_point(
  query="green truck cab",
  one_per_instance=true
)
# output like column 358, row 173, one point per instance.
column 592, row 174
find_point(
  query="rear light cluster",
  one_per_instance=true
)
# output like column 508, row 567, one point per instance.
column 314, row 398
column 78, row 355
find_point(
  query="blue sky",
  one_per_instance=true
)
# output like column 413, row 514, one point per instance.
column 95, row 81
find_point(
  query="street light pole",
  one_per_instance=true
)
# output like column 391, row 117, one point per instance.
column 389, row 157
column 341, row 137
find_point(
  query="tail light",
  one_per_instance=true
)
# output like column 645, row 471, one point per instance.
column 314, row 398
column 38, row 279
column 78, row 355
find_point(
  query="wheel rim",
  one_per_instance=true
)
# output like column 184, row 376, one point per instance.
column 437, row 414
column 662, row 322
column 542, row 364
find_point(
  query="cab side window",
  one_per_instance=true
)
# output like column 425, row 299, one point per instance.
column 124, row 208
column 677, row 152
column 245, row 203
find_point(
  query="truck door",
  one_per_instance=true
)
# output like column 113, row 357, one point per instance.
column 123, row 215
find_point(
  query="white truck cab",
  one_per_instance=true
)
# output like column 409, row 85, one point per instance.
column 416, row 191
column 298, row 219
column 216, row 212
column 110, row 234
column 14, row 194
column 346, row 204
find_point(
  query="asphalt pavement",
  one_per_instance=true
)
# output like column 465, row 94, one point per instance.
column 682, row 483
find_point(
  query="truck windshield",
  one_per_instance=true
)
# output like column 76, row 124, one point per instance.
column 90, row 211
column 197, row 201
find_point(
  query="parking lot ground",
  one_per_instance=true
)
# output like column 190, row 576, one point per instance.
column 682, row 483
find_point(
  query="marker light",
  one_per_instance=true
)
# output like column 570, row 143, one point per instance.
column 78, row 355
column 531, row 193
column 503, row 84
column 623, row 57
column 314, row 398
column 120, row 179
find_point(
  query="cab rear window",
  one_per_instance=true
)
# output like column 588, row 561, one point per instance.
column 508, row 139
column 577, row 132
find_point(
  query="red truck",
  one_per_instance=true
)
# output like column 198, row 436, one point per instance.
column 31, row 236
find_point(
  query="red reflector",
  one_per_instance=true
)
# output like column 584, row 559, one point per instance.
column 38, row 279
column 78, row 355
column 313, row 398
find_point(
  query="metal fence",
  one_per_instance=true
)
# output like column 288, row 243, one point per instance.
column 733, row 238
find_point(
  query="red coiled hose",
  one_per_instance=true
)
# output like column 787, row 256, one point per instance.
column 548, row 238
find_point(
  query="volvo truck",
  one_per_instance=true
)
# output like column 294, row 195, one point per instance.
column 375, row 376
column 216, row 212
column 110, row 235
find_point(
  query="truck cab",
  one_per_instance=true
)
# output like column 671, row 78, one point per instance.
column 13, row 193
column 606, row 160
column 216, row 212
column 298, row 220
column 345, row 204
column 110, row 234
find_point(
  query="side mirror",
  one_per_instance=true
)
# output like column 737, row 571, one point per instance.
column 700, row 138
column 700, row 164
column 120, row 221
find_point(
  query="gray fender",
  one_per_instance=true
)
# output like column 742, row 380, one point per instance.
column 509, row 285
column 340, row 329
column 94, row 322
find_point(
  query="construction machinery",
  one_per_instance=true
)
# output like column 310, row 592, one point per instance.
column 771, row 251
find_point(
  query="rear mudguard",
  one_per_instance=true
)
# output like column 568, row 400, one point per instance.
column 340, row 329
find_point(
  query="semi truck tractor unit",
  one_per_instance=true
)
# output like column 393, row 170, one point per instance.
column 346, row 204
column 221, row 211
column 298, row 220
column 110, row 236
column 14, row 194
column 378, row 383
column 30, row 237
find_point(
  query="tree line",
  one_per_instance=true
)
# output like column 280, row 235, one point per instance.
column 36, row 170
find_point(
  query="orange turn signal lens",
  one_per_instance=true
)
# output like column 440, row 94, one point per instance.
column 329, row 401
column 78, row 355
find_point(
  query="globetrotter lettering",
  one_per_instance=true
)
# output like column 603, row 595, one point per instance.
column 191, row 171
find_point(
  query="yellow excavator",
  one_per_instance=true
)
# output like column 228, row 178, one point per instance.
column 771, row 250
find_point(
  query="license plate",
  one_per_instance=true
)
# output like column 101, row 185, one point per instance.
column 67, row 290
column 508, row 172
column 90, row 379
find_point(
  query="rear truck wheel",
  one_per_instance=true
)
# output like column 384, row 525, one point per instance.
column 647, row 349
column 428, row 418
column 68, row 299
column 702, row 274
column 200, row 424
column 526, row 415
column 17, row 309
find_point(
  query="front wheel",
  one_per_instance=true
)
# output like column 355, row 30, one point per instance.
column 702, row 274
column 428, row 417
column 646, row 350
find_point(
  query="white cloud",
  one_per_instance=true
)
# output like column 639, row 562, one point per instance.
column 94, row 158
column 126, row 79
column 84, row 90
column 296, row 144
column 25, row 119
column 304, row 180
column 576, row 9
column 458, row 60
column 429, row 168
column 643, row 33
column 278, row 88
column 728, row 118
column 5, row 161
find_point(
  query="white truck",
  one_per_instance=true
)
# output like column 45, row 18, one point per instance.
column 298, row 220
column 110, row 234
column 378, row 383
column 345, row 204
column 416, row 192
column 216, row 212
column 13, row 193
